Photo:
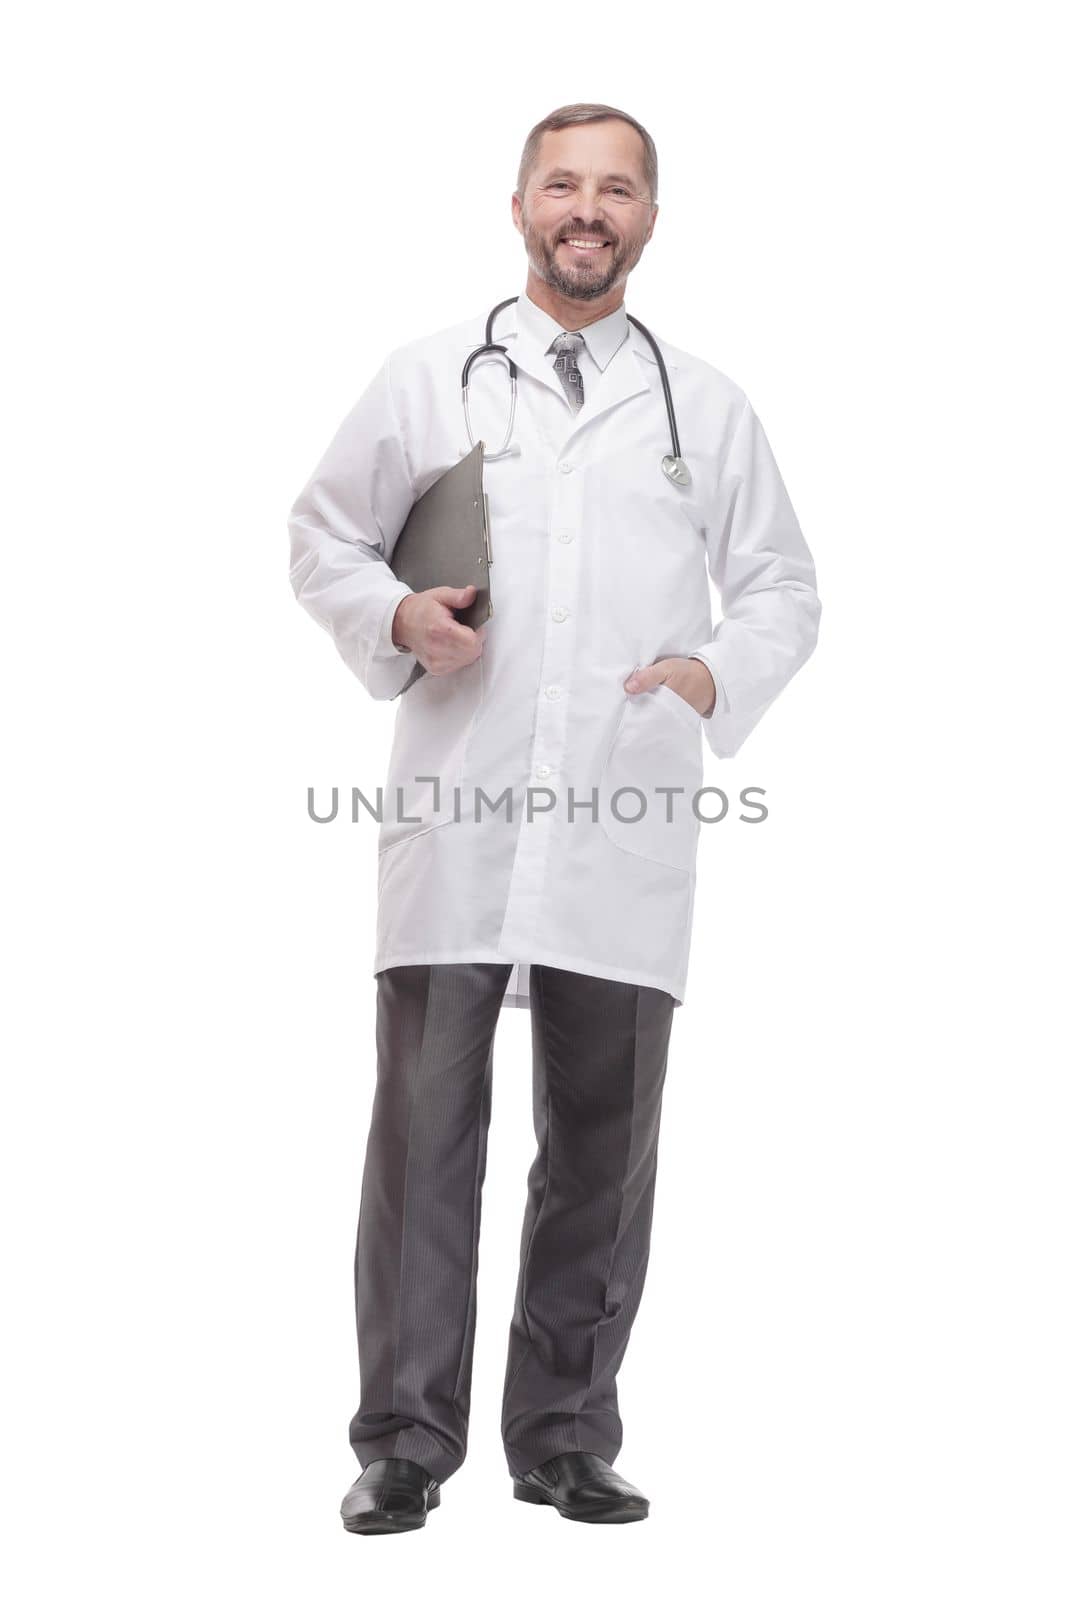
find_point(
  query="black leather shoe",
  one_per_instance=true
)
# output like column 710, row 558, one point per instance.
column 583, row 1488
column 390, row 1495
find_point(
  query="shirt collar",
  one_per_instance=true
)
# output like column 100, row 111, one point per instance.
column 602, row 338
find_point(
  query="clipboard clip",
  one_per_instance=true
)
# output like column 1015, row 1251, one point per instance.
column 487, row 545
column 488, row 528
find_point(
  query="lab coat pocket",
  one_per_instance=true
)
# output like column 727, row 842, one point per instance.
column 657, row 746
column 433, row 728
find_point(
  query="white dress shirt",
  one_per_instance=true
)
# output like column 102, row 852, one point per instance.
column 602, row 339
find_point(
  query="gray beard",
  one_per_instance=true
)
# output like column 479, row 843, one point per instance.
column 577, row 285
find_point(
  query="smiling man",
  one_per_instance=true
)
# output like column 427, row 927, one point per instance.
column 581, row 708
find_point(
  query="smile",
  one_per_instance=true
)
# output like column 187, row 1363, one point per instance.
column 587, row 244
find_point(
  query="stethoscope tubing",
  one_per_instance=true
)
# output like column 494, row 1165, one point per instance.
column 677, row 470
column 676, row 449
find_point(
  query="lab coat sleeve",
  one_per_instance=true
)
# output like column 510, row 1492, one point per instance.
column 342, row 529
column 763, row 571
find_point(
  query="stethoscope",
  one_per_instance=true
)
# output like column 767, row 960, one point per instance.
column 673, row 465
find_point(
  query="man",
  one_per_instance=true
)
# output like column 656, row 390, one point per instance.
column 585, row 698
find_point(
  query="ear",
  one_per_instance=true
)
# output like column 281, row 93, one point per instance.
column 653, row 214
column 516, row 211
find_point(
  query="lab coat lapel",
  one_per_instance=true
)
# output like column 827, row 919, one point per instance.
column 623, row 377
column 524, row 350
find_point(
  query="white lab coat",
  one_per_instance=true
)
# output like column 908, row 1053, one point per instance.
column 600, row 564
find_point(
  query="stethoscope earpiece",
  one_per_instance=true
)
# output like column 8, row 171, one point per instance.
column 512, row 449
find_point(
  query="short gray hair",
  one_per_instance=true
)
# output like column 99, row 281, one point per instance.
column 569, row 117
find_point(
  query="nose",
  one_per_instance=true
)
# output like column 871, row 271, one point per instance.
column 587, row 204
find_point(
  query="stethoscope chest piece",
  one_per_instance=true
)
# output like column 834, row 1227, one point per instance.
column 677, row 471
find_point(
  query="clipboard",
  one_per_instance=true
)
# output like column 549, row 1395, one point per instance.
column 447, row 539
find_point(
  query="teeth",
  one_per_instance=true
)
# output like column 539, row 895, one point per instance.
column 586, row 244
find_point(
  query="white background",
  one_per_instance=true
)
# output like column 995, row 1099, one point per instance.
column 847, row 1375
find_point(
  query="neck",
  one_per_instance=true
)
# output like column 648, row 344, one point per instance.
column 572, row 314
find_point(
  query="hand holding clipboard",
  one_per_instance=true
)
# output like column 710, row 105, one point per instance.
column 446, row 544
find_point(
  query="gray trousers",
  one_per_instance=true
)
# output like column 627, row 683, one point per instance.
column 599, row 1062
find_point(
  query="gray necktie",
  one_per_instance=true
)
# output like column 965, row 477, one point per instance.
column 566, row 346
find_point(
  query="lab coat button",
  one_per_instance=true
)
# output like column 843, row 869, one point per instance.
column 565, row 466
column 560, row 613
column 542, row 771
column 564, row 538
column 553, row 691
